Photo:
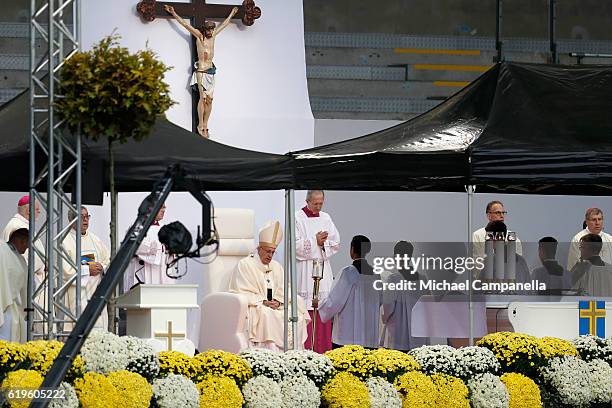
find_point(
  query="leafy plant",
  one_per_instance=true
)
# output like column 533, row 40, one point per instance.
column 112, row 93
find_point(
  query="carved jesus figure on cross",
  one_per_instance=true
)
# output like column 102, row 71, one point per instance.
column 204, row 69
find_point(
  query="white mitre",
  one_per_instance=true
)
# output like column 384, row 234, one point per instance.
column 271, row 234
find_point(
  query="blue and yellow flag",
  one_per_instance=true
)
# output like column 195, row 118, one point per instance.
column 592, row 318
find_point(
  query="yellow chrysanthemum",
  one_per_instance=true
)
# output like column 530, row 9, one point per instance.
column 451, row 391
column 97, row 391
column 553, row 347
column 345, row 391
column 219, row 392
column 524, row 393
column 19, row 381
column 42, row 353
column 391, row 363
column 353, row 359
column 516, row 352
column 133, row 389
column 12, row 357
column 222, row 363
column 417, row 390
column 175, row 362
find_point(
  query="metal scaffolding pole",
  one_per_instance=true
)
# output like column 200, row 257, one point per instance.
column 54, row 23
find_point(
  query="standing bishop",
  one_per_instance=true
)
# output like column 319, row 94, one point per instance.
column 261, row 280
column 22, row 220
column 316, row 237
column 13, row 284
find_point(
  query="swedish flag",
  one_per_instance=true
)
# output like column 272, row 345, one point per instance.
column 592, row 318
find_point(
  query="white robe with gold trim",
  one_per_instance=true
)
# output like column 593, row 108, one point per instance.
column 265, row 324
column 90, row 245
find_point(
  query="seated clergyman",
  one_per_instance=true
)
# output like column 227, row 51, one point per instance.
column 261, row 280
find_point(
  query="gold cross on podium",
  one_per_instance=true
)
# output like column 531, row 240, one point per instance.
column 170, row 335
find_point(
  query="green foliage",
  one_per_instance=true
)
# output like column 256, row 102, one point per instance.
column 112, row 93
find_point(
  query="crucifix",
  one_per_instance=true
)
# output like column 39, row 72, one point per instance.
column 170, row 335
column 203, row 32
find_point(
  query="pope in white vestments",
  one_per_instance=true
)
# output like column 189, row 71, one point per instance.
column 13, row 286
column 261, row 280
column 353, row 302
column 95, row 258
column 316, row 237
column 149, row 263
column 594, row 225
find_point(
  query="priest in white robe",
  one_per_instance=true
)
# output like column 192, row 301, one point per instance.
column 13, row 286
column 149, row 263
column 495, row 211
column 594, row 219
column 261, row 280
column 316, row 237
column 22, row 220
column 94, row 259
column 353, row 302
column 592, row 276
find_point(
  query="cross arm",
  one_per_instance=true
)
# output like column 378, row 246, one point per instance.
column 199, row 10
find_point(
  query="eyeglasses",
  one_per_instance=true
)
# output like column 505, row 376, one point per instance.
column 498, row 212
column 85, row 217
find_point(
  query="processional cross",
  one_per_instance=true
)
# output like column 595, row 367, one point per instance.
column 198, row 12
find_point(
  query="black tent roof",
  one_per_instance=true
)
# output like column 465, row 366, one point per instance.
column 517, row 128
column 139, row 164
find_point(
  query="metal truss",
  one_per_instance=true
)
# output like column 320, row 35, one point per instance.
column 55, row 161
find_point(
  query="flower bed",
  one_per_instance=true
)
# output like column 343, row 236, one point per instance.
column 506, row 370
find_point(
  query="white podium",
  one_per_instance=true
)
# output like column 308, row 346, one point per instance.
column 159, row 313
column 556, row 319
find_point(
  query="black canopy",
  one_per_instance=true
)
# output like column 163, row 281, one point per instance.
column 517, row 128
column 139, row 164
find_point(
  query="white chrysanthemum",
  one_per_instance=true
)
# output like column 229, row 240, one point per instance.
column 104, row 352
column 438, row 359
column 488, row 391
column 477, row 360
column 266, row 362
column 300, row 391
column 383, row 394
column 142, row 358
column 175, row 391
column 313, row 365
column 68, row 398
column 601, row 381
column 566, row 381
column 262, row 392
column 592, row 347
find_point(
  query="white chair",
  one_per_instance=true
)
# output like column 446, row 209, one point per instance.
column 224, row 316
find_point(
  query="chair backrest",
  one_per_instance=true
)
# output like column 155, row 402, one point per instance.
column 236, row 228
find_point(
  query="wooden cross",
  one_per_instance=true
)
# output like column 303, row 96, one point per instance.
column 198, row 11
column 170, row 335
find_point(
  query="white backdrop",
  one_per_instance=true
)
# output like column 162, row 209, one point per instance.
column 261, row 99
